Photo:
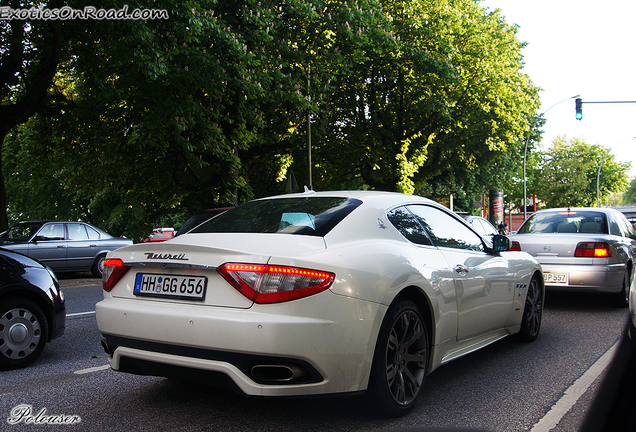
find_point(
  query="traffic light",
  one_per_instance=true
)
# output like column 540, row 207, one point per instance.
column 579, row 108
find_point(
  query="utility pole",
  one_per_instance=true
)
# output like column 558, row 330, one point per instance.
column 309, row 179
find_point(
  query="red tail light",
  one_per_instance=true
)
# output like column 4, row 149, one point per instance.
column 515, row 247
column 114, row 270
column 593, row 250
column 274, row 284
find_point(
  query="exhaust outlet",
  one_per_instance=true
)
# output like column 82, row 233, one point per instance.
column 277, row 373
column 107, row 348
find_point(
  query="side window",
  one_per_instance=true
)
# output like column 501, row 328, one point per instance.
column 614, row 227
column 446, row 231
column 488, row 230
column 77, row 231
column 627, row 227
column 51, row 231
column 92, row 234
column 408, row 226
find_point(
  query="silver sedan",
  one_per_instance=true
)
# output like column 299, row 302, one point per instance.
column 63, row 246
column 583, row 249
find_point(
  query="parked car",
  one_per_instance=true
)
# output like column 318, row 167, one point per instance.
column 159, row 235
column 481, row 225
column 318, row 293
column 32, row 309
column 582, row 249
column 198, row 218
column 63, row 246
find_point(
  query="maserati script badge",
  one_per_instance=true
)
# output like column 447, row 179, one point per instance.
column 166, row 256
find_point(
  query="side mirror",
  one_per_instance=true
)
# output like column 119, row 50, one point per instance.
column 501, row 243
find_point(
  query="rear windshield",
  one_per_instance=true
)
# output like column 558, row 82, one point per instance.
column 314, row 216
column 590, row 222
column 198, row 218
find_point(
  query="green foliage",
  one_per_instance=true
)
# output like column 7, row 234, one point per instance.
column 566, row 174
column 629, row 197
column 446, row 101
column 147, row 121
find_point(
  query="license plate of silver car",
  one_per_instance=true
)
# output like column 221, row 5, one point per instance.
column 555, row 278
column 170, row 286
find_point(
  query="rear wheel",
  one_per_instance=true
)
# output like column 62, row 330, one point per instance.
column 400, row 361
column 533, row 311
column 98, row 266
column 23, row 333
column 622, row 298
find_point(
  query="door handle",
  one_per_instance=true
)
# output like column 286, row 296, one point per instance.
column 461, row 269
column 61, row 247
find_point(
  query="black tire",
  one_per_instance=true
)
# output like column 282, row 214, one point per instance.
column 400, row 361
column 98, row 266
column 23, row 333
column 532, row 312
column 621, row 299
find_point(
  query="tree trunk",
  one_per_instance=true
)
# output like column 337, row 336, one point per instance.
column 34, row 96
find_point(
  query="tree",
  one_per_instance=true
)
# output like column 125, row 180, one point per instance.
column 448, row 99
column 146, row 121
column 30, row 52
column 195, row 111
column 565, row 175
column 629, row 197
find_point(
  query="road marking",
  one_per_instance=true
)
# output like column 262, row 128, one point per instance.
column 573, row 393
column 79, row 314
column 90, row 370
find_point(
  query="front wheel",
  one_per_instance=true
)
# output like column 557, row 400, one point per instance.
column 533, row 311
column 23, row 333
column 400, row 361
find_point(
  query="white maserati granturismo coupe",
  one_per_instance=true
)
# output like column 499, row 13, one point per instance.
column 318, row 294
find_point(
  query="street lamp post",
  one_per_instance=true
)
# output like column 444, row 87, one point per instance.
column 598, row 178
column 525, row 152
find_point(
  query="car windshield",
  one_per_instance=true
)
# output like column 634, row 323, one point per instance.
column 314, row 216
column 590, row 222
column 21, row 232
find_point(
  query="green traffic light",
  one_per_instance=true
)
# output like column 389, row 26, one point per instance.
column 579, row 108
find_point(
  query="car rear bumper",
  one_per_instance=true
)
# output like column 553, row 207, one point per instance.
column 592, row 278
column 320, row 345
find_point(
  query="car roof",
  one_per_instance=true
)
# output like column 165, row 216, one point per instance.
column 605, row 210
column 366, row 196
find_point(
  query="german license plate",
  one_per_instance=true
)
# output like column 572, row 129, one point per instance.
column 170, row 286
column 555, row 278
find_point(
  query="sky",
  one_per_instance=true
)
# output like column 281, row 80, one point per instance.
column 586, row 48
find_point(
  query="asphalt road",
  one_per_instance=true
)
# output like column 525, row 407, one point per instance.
column 508, row 386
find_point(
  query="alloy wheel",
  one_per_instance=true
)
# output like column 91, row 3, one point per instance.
column 406, row 356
